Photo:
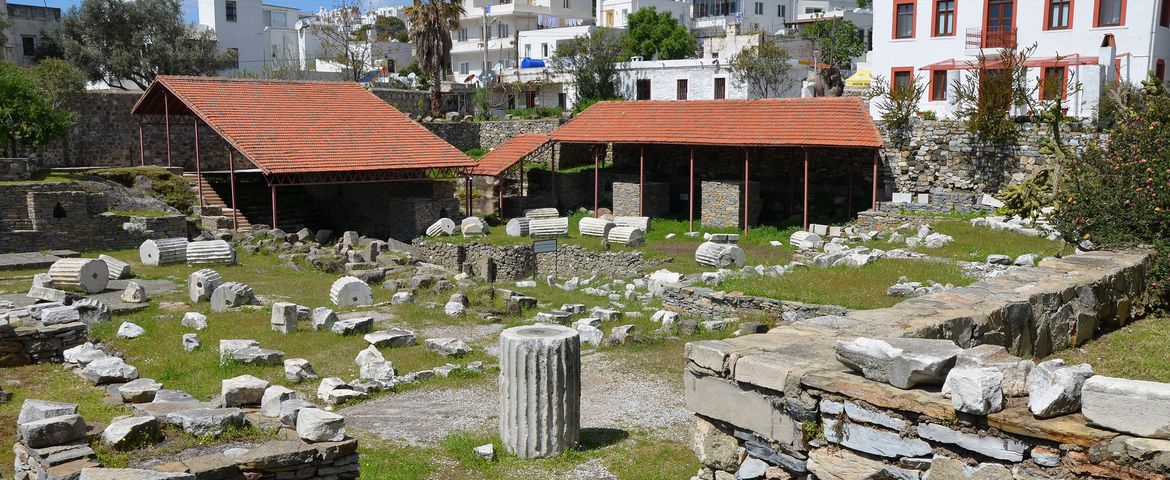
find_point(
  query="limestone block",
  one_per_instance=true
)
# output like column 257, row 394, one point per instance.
column 83, row 354
column 720, row 255
column 202, row 283
column 517, row 227
column 298, row 370
column 274, row 395
column 243, row 390
column 1133, row 407
column 86, row 275
column 901, row 197
column 131, row 432
column 141, row 390
column 191, row 342
column 134, row 293
column 231, row 295
column 1015, row 369
column 1054, row 389
column 818, row 229
column 594, row 227
column 284, row 317
column 873, row 441
column 207, row 421
column 323, row 318
column 131, row 474
column 353, row 326
column 628, row 236
column 714, row 446
column 448, row 347
column 976, row 391
column 391, row 338
column 549, row 227
column 540, row 390
column 443, row 226
column 535, row 213
column 316, row 425
column 999, row 448
column 640, row 223
column 129, row 330
column 210, row 252
column 32, row 410
column 803, row 240
column 901, row 362
column 163, row 251
column 117, row 268
column 51, row 431
column 351, row 292
column 195, row 320
column 473, row 227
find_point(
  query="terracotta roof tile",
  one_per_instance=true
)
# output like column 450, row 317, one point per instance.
column 772, row 122
column 305, row 127
column 508, row 154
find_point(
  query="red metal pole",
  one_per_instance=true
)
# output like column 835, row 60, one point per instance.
column 272, row 188
column 849, row 203
column 875, row 180
column 691, row 194
column 641, row 181
column 596, row 173
column 232, row 173
column 167, row 116
column 141, row 147
column 467, row 182
column 500, row 208
column 791, row 190
column 806, row 189
column 746, row 190
column 198, row 165
column 552, row 165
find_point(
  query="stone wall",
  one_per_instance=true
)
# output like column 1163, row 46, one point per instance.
column 518, row 261
column 713, row 304
column 36, row 217
column 415, row 102
column 627, row 199
column 14, row 169
column 887, row 219
column 785, row 399
column 722, row 205
column 400, row 210
column 488, row 135
column 943, row 156
column 24, row 340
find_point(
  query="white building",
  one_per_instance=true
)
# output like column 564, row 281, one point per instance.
column 714, row 17
column 261, row 35
column 687, row 79
column 1084, row 42
column 504, row 20
column 26, row 23
column 615, row 13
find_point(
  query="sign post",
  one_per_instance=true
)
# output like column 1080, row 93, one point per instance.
column 546, row 246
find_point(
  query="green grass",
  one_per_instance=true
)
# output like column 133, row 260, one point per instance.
column 44, row 177
column 858, row 288
column 974, row 244
column 141, row 213
column 1137, row 351
column 476, row 153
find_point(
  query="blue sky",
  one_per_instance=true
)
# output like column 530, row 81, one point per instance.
column 189, row 5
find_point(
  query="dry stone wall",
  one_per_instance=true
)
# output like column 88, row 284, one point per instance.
column 490, row 134
column 712, row 304
column 784, row 397
column 518, row 262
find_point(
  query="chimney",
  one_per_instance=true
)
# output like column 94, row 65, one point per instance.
column 1108, row 57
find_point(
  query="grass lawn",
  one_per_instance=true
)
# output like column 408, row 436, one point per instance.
column 1137, row 351
column 858, row 288
column 974, row 244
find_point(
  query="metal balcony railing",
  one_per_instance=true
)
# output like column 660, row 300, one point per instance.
column 986, row 38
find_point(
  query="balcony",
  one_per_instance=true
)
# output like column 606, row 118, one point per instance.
column 978, row 38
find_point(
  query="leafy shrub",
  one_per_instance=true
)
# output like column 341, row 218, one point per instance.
column 1116, row 193
column 1027, row 198
column 476, row 153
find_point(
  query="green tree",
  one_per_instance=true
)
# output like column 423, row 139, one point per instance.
column 839, row 43
column 590, row 61
column 27, row 115
column 390, row 28
column 117, row 41
column 764, row 69
column 431, row 25
column 342, row 44
column 655, row 35
column 58, row 79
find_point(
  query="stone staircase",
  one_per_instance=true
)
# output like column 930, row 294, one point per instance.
column 211, row 198
column 295, row 208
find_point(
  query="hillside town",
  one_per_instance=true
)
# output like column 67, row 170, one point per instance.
column 558, row 239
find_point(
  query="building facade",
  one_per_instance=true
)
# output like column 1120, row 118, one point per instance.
column 27, row 23
column 714, row 17
column 1083, row 43
column 262, row 36
column 472, row 50
column 615, row 13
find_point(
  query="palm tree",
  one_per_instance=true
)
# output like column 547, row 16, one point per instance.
column 431, row 24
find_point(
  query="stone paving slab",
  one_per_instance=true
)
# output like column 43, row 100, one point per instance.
column 20, row 261
column 111, row 296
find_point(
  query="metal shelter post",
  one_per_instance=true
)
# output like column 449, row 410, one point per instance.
column 691, row 193
column 642, row 181
column 167, row 119
column 876, row 155
column 141, row 147
column 746, row 188
column 596, row 174
column 806, row 189
column 232, row 174
column 199, row 165
column 272, row 188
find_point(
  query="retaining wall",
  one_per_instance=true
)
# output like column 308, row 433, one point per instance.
column 711, row 303
column 784, row 397
column 490, row 134
column 517, row 262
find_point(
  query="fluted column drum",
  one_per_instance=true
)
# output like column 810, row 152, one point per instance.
column 540, row 390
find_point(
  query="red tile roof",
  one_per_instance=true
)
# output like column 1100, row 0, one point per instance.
column 304, row 127
column 508, row 154
column 772, row 122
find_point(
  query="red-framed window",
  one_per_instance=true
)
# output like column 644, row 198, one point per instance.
column 1164, row 16
column 905, row 18
column 1109, row 13
column 901, row 77
column 1053, row 82
column 1160, row 70
column 938, row 85
column 1058, row 15
column 945, row 14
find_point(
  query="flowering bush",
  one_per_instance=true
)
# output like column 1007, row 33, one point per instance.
column 1117, row 193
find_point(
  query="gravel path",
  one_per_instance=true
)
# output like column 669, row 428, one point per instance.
column 611, row 398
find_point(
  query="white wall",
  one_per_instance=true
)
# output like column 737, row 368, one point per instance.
column 1140, row 43
column 258, row 45
column 26, row 21
column 615, row 13
column 533, row 43
column 699, row 74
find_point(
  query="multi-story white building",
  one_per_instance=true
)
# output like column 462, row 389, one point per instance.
column 503, row 20
column 24, row 34
column 1078, row 42
column 615, row 13
column 713, row 17
column 260, row 34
